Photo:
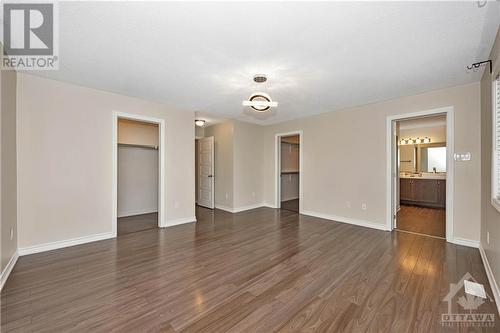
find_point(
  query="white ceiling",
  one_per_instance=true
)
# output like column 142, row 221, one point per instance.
column 319, row 57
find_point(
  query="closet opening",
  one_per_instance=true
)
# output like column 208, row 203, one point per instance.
column 139, row 181
column 289, row 172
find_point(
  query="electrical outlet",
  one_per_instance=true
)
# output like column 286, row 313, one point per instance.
column 11, row 233
column 488, row 237
column 177, row 204
column 227, row 195
column 348, row 204
column 253, row 194
column 363, row 206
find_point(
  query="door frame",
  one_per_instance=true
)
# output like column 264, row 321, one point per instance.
column 161, row 166
column 213, row 170
column 391, row 176
column 277, row 167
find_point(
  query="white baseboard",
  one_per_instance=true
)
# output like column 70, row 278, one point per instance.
column 348, row 220
column 86, row 239
column 243, row 208
column 465, row 242
column 23, row 251
column 491, row 277
column 269, row 205
column 6, row 271
column 240, row 209
column 224, row 208
column 138, row 212
column 171, row 223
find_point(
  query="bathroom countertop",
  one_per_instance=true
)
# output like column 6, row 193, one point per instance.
column 439, row 176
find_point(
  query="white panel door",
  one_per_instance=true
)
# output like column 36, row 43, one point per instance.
column 205, row 172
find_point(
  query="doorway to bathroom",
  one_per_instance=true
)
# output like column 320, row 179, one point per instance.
column 421, row 168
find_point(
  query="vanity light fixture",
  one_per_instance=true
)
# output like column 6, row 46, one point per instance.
column 411, row 141
column 199, row 122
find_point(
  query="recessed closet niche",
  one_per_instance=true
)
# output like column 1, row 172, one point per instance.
column 290, row 171
column 137, row 176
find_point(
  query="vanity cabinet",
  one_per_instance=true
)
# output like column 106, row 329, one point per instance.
column 423, row 192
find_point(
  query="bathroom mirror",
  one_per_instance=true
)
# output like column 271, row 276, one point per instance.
column 432, row 159
column 423, row 157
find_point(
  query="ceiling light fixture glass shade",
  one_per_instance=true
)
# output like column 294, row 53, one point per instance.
column 199, row 122
column 260, row 102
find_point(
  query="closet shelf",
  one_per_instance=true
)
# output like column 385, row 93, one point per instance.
column 288, row 172
column 137, row 145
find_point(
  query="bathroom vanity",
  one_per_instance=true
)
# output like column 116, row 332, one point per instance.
column 423, row 190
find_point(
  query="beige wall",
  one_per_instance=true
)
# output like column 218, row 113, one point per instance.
column 8, row 208
column 137, row 132
column 223, row 145
column 238, row 164
column 65, row 159
column 490, row 217
column 345, row 157
column 407, row 157
column 248, row 171
column 199, row 131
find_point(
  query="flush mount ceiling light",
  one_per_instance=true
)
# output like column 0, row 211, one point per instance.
column 260, row 102
column 199, row 122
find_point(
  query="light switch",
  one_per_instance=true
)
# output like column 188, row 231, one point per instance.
column 462, row 156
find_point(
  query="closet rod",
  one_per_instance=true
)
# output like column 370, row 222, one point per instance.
column 138, row 145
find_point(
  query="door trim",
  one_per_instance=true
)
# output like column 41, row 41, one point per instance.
column 391, row 177
column 161, row 166
column 277, row 167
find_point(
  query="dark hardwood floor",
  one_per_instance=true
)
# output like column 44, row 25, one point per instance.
column 131, row 224
column 292, row 205
column 422, row 220
column 262, row 270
